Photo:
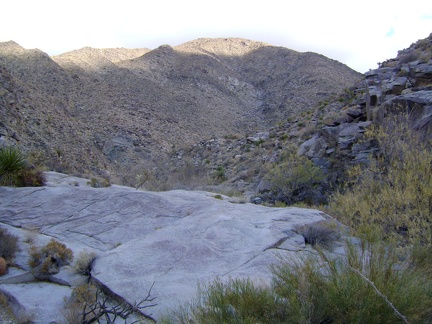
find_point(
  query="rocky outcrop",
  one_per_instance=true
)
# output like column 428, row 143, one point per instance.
column 399, row 86
column 175, row 239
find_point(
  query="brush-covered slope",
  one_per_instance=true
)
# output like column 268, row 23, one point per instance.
column 92, row 110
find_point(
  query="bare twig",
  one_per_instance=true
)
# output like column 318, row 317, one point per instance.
column 380, row 294
column 98, row 308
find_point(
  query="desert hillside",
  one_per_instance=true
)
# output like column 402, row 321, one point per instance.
column 100, row 111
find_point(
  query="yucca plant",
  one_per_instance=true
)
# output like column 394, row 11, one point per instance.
column 11, row 162
column 13, row 171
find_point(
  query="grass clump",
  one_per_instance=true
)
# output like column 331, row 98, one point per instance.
column 84, row 263
column 236, row 301
column 367, row 288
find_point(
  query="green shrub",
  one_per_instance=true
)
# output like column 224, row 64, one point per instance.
column 283, row 137
column 370, row 285
column 296, row 179
column 8, row 245
column 367, row 288
column 220, row 174
column 394, row 194
column 237, row 301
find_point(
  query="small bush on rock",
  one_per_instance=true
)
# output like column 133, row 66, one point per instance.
column 8, row 245
column 84, row 262
column 30, row 178
column 48, row 260
column 321, row 233
column 99, row 182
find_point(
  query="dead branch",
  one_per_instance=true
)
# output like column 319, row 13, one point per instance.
column 381, row 295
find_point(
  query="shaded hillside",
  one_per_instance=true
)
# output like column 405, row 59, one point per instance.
column 97, row 110
column 38, row 110
column 330, row 133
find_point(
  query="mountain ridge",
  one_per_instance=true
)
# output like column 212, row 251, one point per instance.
column 94, row 111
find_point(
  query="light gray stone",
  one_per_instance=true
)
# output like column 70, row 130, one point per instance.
column 176, row 239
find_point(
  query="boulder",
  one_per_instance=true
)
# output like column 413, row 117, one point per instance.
column 395, row 85
column 416, row 104
column 350, row 133
column 422, row 74
column 314, row 147
column 259, row 137
column 355, row 113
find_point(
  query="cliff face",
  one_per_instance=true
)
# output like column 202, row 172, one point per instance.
column 98, row 110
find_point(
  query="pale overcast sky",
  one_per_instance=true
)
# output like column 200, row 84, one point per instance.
column 357, row 33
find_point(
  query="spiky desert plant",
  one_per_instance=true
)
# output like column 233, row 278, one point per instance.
column 14, row 172
column 11, row 162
